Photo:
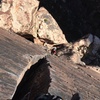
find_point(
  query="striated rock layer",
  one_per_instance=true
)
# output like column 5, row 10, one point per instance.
column 26, row 70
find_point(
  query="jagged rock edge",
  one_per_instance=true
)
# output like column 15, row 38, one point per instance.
column 31, row 61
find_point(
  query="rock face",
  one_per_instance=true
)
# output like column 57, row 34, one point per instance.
column 13, row 66
column 23, row 17
column 20, row 14
column 27, row 70
column 84, row 51
column 48, row 30
column 23, row 13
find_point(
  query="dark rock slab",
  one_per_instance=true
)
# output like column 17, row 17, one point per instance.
column 69, row 79
column 27, row 71
column 64, row 79
column 15, row 58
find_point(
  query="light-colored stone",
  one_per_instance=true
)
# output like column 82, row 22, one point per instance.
column 48, row 28
column 22, row 15
column 86, row 48
column 6, row 4
column 5, row 20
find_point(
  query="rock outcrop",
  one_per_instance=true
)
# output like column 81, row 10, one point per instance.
column 23, row 17
column 48, row 30
column 20, row 15
column 84, row 51
column 27, row 70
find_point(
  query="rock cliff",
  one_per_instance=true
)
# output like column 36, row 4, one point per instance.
column 63, row 55
column 27, row 70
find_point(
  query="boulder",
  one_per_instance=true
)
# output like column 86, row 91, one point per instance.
column 21, row 15
column 49, row 31
column 27, row 70
column 5, row 20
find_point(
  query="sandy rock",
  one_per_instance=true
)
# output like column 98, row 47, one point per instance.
column 6, row 4
column 22, row 13
column 27, row 69
column 21, row 16
column 5, row 20
column 48, row 28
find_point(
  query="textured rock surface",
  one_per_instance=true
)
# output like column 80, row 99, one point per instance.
column 18, row 15
column 84, row 51
column 75, row 17
column 23, row 18
column 5, row 20
column 23, row 15
column 26, row 65
column 49, row 31
column 16, row 56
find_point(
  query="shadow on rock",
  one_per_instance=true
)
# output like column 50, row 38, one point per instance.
column 35, row 81
column 76, row 97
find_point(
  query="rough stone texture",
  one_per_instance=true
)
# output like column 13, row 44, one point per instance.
column 23, row 18
column 16, row 56
column 27, row 66
column 6, row 4
column 49, row 31
column 20, row 14
column 84, row 51
column 5, row 20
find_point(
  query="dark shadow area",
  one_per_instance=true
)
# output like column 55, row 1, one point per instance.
column 92, row 59
column 35, row 81
column 76, row 97
column 0, row 4
column 75, row 17
column 27, row 36
column 0, row 1
column 48, row 96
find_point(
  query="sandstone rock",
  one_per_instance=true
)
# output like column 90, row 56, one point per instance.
column 49, row 31
column 14, row 65
column 6, row 4
column 5, row 20
column 96, row 45
column 79, row 17
column 22, row 15
column 22, row 18
column 26, row 71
